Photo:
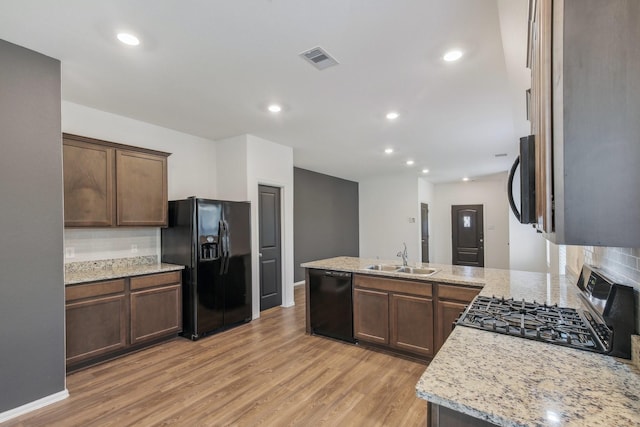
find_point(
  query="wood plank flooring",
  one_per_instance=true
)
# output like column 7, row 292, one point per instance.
column 264, row 373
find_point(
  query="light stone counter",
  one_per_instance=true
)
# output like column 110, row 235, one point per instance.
column 92, row 271
column 511, row 381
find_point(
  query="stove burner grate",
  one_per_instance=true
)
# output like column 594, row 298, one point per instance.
column 541, row 322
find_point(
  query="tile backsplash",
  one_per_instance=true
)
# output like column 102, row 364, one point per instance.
column 93, row 244
column 624, row 262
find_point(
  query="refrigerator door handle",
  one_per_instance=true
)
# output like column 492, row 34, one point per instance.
column 221, row 242
column 226, row 246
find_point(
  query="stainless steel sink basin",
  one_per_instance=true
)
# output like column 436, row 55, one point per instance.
column 400, row 269
column 383, row 267
column 417, row 270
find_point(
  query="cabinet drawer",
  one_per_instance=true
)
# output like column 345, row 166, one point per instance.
column 393, row 285
column 142, row 282
column 76, row 292
column 457, row 293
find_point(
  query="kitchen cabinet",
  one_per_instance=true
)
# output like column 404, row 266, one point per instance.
column 585, row 95
column 96, row 320
column 88, row 184
column 371, row 315
column 141, row 195
column 108, row 184
column 451, row 301
column 155, row 306
column 441, row 416
column 109, row 318
column 397, row 314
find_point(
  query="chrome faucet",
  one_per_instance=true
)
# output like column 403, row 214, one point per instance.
column 404, row 254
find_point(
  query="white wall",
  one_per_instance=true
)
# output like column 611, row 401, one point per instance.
column 231, row 168
column 527, row 248
column 271, row 164
column 191, row 172
column 387, row 205
column 489, row 192
column 248, row 161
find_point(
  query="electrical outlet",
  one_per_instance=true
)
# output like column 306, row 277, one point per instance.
column 412, row 220
column 69, row 252
column 134, row 249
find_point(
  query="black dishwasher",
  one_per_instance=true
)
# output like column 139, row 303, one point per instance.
column 331, row 304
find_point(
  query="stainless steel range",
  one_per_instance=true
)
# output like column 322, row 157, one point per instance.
column 604, row 326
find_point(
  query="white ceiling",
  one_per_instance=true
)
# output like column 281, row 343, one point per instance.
column 210, row 68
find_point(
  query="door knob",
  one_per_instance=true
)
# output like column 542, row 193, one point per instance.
column 260, row 254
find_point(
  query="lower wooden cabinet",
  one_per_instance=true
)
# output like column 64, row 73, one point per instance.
column 412, row 323
column 156, row 308
column 371, row 315
column 408, row 316
column 397, row 314
column 95, row 327
column 451, row 301
column 108, row 318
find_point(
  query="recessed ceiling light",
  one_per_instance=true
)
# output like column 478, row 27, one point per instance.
column 465, row 179
column 274, row 108
column 425, row 170
column 452, row 55
column 410, row 162
column 388, row 150
column 129, row 39
column 392, row 115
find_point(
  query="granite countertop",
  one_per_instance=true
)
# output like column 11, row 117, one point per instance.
column 511, row 381
column 92, row 271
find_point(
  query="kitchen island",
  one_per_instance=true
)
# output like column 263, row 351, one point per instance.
column 510, row 381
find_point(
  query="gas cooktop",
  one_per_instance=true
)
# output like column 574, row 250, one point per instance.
column 605, row 326
column 542, row 322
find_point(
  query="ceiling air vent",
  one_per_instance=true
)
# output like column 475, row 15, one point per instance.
column 319, row 58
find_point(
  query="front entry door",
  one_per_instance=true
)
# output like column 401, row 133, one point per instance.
column 270, row 250
column 468, row 239
column 424, row 229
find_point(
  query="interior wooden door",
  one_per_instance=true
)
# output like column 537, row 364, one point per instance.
column 467, row 235
column 424, row 230
column 270, row 247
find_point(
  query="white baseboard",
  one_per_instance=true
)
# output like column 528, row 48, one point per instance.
column 300, row 283
column 32, row 406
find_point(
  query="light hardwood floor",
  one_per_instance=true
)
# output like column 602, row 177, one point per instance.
column 267, row 372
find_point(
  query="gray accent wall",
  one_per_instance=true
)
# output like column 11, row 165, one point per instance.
column 32, row 364
column 325, row 218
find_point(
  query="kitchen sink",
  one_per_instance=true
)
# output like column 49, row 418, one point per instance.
column 383, row 267
column 417, row 270
column 400, row 269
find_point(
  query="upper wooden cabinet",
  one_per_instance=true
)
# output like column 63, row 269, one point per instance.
column 108, row 184
column 141, row 195
column 585, row 98
column 88, row 184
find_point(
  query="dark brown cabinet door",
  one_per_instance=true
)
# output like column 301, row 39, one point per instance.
column 452, row 300
column 155, row 313
column 467, row 235
column 95, row 327
column 141, row 189
column 88, row 184
column 371, row 316
column 412, row 324
column 448, row 312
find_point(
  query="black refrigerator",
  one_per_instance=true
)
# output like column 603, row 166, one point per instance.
column 212, row 239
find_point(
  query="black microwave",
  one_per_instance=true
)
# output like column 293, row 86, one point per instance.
column 527, row 161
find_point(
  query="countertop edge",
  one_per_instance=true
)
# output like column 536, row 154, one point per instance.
column 98, row 275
